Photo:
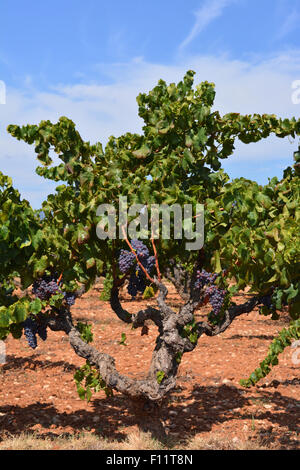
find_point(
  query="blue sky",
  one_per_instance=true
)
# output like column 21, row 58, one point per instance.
column 89, row 60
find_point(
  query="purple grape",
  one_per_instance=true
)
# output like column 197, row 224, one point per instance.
column 70, row 298
column 141, row 249
column 45, row 287
column 42, row 331
column 150, row 264
column 140, row 282
column 48, row 285
column 30, row 330
column 266, row 300
column 132, row 285
column 126, row 261
column 204, row 278
column 216, row 296
column 216, row 299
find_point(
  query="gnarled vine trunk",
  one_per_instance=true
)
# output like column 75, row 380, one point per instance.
column 171, row 342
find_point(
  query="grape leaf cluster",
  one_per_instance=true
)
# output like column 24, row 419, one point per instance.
column 233, row 206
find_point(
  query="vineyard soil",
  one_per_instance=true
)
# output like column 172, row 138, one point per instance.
column 38, row 393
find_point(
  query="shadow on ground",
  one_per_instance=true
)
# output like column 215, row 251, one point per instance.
column 173, row 419
column 33, row 362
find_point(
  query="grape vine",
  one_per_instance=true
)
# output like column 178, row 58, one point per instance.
column 250, row 229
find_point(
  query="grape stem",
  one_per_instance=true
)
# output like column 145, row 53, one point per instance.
column 113, row 263
column 156, row 260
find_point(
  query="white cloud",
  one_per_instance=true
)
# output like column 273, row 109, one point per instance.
column 102, row 110
column 290, row 23
column 209, row 11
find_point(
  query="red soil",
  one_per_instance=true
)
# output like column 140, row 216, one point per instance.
column 38, row 393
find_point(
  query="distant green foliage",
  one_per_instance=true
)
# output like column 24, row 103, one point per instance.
column 107, row 286
column 278, row 345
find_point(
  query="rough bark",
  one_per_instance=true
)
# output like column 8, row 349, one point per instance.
column 230, row 314
column 170, row 343
column 148, row 388
column 181, row 281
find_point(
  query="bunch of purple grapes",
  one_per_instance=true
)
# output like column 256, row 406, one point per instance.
column 266, row 301
column 203, row 278
column 127, row 261
column 45, row 287
column 31, row 329
column 136, row 283
column 217, row 296
column 216, row 299
column 70, row 298
column 42, row 331
column 48, row 285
